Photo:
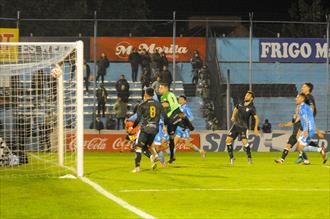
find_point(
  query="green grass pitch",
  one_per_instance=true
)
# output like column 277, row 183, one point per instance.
column 191, row 188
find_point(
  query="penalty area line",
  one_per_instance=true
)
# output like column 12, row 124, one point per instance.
column 104, row 192
column 116, row 199
column 224, row 189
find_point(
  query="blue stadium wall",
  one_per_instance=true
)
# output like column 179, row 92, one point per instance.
column 233, row 55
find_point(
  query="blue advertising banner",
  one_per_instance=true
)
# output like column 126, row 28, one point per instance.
column 293, row 50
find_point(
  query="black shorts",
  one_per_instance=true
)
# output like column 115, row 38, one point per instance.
column 238, row 131
column 174, row 121
column 145, row 139
column 296, row 127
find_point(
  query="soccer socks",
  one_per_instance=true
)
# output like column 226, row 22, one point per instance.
column 171, row 148
column 195, row 148
column 137, row 158
column 284, row 154
column 230, row 150
column 161, row 157
column 248, row 150
column 312, row 149
column 304, row 155
column 147, row 153
column 192, row 146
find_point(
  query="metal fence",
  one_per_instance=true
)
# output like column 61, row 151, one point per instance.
column 232, row 51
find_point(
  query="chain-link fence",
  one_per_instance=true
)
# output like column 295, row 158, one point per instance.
column 273, row 58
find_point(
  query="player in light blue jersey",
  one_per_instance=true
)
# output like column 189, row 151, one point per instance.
column 184, row 132
column 161, row 142
column 306, row 117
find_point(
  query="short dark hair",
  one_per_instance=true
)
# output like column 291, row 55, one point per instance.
column 183, row 96
column 164, row 84
column 310, row 86
column 150, row 91
column 302, row 95
column 251, row 92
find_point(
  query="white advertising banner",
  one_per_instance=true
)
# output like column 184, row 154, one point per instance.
column 216, row 141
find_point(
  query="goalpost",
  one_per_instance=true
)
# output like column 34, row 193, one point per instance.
column 41, row 108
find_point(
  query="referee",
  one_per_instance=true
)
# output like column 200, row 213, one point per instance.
column 172, row 108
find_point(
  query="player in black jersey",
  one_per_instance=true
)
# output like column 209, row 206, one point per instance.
column 241, row 115
column 148, row 115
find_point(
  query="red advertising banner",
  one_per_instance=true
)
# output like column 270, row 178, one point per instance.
column 118, row 48
column 115, row 143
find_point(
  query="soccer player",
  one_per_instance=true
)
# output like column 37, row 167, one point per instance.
column 133, row 131
column 305, row 114
column 241, row 115
column 293, row 138
column 161, row 142
column 172, row 108
column 184, row 132
column 149, row 113
column 306, row 89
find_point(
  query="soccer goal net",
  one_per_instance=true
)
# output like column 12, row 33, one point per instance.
column 41, row 109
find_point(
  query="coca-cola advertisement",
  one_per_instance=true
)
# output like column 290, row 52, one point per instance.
column 115, row 143
column 118, row 48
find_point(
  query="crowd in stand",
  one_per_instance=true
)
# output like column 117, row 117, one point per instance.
column 154, row 71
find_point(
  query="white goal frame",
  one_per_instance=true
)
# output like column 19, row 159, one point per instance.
column 79, row 103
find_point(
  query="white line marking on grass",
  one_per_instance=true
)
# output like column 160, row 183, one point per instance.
column 104, row 192
column 116, row 199
column 225, row 189
column 327, row 166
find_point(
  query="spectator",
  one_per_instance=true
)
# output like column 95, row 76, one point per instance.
column 267, row 127
column 135, row 59
column 196, row 64
column 166, row 76
column 122, row 88
column 164, row 60
column 145, row 60
column 120, row 111
column 204, row 74
column 97, row 124
column 110, row 123
column 101, row 95
column 87, row 72
column 156, row 62
column 102, row 65
column 155, row 85
column 145, row 81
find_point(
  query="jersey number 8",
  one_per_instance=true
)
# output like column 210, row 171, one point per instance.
column 152, row 111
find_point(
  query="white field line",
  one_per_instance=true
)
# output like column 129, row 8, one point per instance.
column 225, row 189
column 116, row 199
column 327, row 166
column 104, row 192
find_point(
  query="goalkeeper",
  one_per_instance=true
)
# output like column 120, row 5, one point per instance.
column 172, row 109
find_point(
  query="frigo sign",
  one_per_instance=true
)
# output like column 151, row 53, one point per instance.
column 216, row 141
column 293, row 50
